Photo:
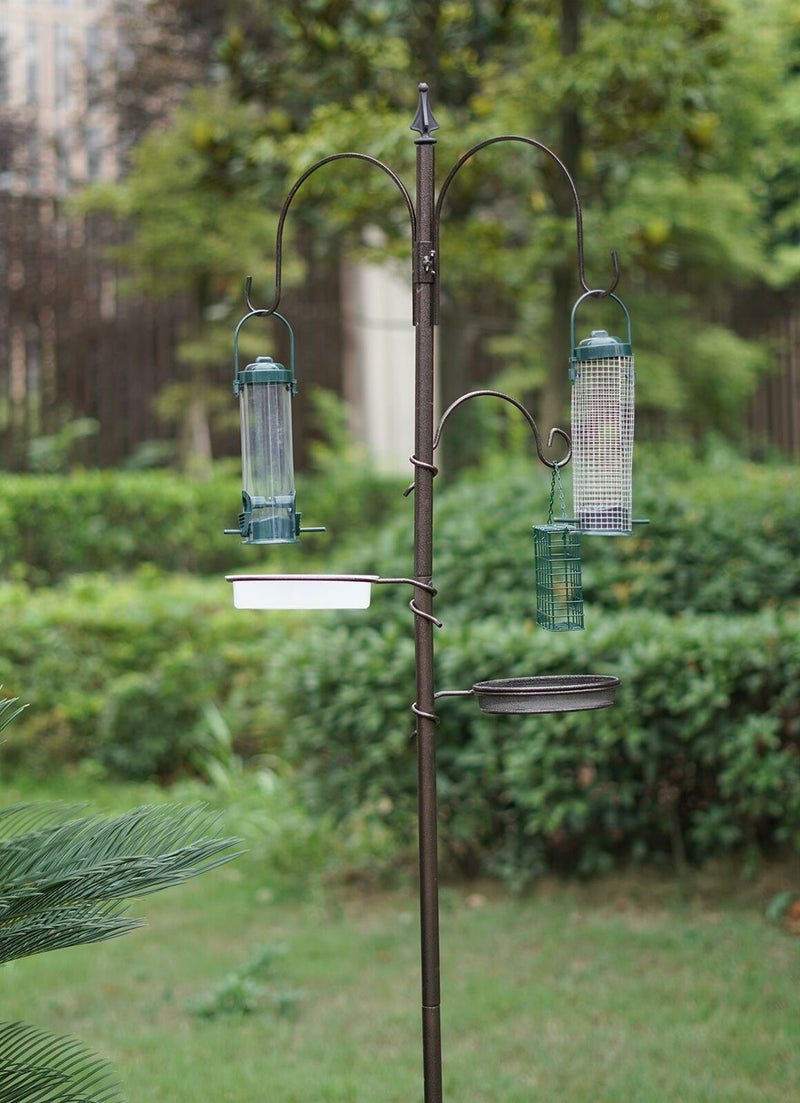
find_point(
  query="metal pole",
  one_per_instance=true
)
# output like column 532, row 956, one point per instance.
column 424, row 275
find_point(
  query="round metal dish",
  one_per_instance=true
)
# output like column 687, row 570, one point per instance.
column 548, row 693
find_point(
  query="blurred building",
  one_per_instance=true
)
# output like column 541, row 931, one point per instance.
column 378, row 361
column 57, row 130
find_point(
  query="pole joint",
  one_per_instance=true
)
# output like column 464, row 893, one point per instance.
column 424, row 262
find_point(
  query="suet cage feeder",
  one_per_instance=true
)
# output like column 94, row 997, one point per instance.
column 559, row 586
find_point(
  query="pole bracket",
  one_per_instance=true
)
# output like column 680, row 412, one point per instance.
column 424, row 262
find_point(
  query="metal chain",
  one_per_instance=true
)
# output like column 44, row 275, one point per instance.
column 556, row 482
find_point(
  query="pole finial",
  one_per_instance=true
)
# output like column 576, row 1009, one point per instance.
column 424, row 122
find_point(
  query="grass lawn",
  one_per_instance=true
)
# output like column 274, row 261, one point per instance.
column 624, row 990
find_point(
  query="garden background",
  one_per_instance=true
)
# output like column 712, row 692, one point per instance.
column 621, row 885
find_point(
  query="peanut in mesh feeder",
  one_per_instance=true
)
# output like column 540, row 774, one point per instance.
column 602, row 407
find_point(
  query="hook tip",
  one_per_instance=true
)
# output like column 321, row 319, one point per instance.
column 615, row 266
column 562, row 462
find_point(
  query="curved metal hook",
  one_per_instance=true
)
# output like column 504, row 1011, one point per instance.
column 248, row 287
column 528, row 417
column 288, row 202
column 575, row 199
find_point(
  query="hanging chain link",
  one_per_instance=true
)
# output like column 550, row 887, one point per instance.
column 555, row 482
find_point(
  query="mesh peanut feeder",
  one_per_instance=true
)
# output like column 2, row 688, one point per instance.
column 559, row 586
column 602, row 375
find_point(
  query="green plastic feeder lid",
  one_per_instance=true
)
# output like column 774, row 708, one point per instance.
column 265, row 370
column 601, row 346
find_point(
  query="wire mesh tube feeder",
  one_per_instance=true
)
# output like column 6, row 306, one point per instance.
column 602, row 407
column 278, row 522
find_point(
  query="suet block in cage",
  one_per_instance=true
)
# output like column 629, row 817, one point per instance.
column 559, row 586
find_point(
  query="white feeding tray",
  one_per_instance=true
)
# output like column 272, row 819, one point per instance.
column 302, row 591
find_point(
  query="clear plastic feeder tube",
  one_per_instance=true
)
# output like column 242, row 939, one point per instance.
column 265, row 395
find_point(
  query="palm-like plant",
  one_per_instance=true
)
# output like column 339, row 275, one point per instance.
column 65, row 877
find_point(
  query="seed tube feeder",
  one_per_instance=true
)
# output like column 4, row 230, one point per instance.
column 602, row 376
column 265, row 390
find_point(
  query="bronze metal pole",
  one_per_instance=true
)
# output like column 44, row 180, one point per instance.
column 424, row 276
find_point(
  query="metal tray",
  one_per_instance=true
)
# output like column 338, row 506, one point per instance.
column 547, row 693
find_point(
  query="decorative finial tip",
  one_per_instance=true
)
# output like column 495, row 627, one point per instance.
column 424, row 122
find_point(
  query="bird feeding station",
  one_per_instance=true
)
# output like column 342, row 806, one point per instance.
column 602, row 437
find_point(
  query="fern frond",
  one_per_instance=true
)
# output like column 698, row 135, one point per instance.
column 37, row 1067
column 36, row 934
column 6, row 716
column 61, row 884
column 20, row 819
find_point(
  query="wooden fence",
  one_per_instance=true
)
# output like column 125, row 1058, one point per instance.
column 72, row 347
column 774, row 414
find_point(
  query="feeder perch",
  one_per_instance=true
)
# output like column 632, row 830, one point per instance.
column 602, row 375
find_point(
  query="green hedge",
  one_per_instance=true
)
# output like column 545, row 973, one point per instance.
column 124, row 671
column 698, row 614
column 52, row 526
column 699, row 756
column 724, row 536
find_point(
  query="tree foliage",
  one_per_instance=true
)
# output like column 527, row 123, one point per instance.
column 678, row 119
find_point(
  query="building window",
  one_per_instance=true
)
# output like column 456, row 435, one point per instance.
column 33, row 164
column 93, row 61
column 94, row 153
column 32, row 64
column 4, row 62
column 61, row 149
column 62, row 64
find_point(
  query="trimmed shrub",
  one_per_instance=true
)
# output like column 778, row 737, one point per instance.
column 723, row 537
column 52, row 526
column 698, row 614
column 121, row 671
column 698, row 757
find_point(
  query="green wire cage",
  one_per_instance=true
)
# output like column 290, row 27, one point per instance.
column 559, row 585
